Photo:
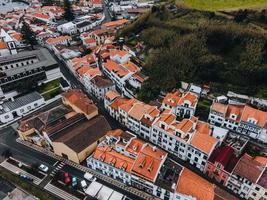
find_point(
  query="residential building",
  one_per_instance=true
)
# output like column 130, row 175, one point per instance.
column 182, row 105
column 244, row 178
column 189, row 139
column 99, row 86
column 64, row 40
column 130, row 160
column 7, row 44
column 68, row 28
column 242, row 119
column 19, row 107
column 221, row 163
column 114, row 24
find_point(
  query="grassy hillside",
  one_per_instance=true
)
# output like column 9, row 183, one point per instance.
column 199, row 47
column 214, row 5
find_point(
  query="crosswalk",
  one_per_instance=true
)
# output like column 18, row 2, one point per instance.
column 60, row 193
column 16, row 169
column 58, row 167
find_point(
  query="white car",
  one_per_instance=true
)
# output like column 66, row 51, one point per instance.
column 43, row 168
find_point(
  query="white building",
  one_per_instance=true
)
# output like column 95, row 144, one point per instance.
column 68, row 28
column 130, row 160
column 182, row 105
column 20, row 106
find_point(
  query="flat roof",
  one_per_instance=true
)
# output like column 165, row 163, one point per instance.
column 43, row 55
column 20, row 101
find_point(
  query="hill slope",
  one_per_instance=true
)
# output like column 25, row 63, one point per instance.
column 199, row 47
column 214, row 5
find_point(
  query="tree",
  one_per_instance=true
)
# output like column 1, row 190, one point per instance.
column 68, row 12
column 28, row 34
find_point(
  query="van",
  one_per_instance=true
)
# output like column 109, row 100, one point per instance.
column 89, row 177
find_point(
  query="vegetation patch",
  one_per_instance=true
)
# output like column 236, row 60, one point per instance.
column 203, row 108
column 199, row 47
column 214, row 5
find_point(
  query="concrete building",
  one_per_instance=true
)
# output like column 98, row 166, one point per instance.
column 20, row 106
column 37, row 66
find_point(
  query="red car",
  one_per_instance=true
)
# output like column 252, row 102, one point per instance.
column 67, row 179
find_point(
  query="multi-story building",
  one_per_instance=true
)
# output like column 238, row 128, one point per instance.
column 99, row 86
column 37, row 66
column 247, row 177
column 240, row 118
column 183, row 105
column 123, row 72
column 132, row 161
column 221, row 163
column 189, row 139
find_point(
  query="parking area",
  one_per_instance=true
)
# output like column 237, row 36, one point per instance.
column 64, row 181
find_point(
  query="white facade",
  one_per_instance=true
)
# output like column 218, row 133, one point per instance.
column 8, row 114
column 69, row 28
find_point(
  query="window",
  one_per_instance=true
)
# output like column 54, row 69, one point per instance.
column 36, row 104
column 256, row 188
column 21, row 110
column 189, row 155
column 196, row 159
column 7, row 116
column 29, row 107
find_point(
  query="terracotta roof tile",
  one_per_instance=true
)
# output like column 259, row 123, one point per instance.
column 191, row 184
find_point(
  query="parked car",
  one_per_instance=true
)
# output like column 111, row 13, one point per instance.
column 24, row 176
column 83, row 184
column 67, row 179
column 89, row 177
column 74, row 181
column 43, row 168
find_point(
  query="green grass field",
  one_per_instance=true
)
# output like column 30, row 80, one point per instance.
column 214, row 5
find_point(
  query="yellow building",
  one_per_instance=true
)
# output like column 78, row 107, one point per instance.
column 77, row 142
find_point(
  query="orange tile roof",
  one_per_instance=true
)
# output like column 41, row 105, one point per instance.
column 116, row 52
column 115, row 23
column 203, row 142
column 118, row 102
column 135, row 146
column 111, row 95
column 203, row 128
column 191, row 184
column 172, row 98
column 115, row 133
column 148, row 162
column 89, row 40
column 3, row 45
column 80, row 100
column 261, row 159
column 107, row 155
column 219, row 107
column 236, row 110
column 128, row 105
column 139, row 109
column 185, row 125
column 258, row 115
column 111, row 65
column 92, row 72
column 189, row 96
column 131, row 66
column 57, row 39
column 167, row 118
column 41, row 16
column 81, row 71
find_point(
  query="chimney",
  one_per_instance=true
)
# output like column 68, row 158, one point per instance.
column 154, row 148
